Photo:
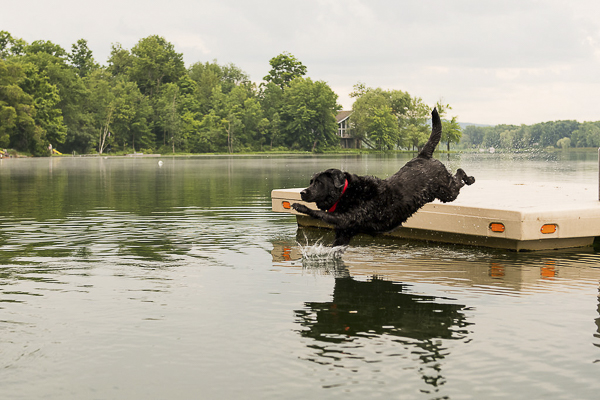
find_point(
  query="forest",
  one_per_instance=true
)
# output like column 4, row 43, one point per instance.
column 145, row 100
column 555, row 134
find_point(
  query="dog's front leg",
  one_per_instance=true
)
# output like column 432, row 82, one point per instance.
column 342, row 236
column 329, row 218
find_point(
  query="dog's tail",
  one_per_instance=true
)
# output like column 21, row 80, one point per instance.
column 436, row 135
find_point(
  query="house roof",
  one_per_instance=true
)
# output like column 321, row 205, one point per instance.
column 342, row 115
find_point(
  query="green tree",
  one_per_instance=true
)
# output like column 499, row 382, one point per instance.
column 155, row 62
column 46, row 47
column 101, row 101
column 242, row 117
column 308, row 114
column 550, row 132
column 383, row 127
column 151, row 64
column 211, row 134
column 120, row 61
column 18, row 128
column 208, row 76
column 473, row 135
column 564, row 143
column 588, row 135
column 271, row 101
column 167, row 107
column 45, row 72
column 373, row 111
column 273, row 130
column 46, row 99
column 189, row 127
column 10, row 46
column 121, row 114
column 414, row 126
column 451, row 130
column 233, row 76
column 364, row 110
column 492, row 138
column 81, row 58
column 130, row 117
column 78, row 113
column 359, row 90
column 284, row 69
column 177, row 114
column 52, row 62
column 416, row 136
column 243, row 99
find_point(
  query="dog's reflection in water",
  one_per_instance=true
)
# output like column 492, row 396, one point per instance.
column 365, row 318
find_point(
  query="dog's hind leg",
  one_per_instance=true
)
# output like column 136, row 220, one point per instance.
column 450, row 192
column 462, row 175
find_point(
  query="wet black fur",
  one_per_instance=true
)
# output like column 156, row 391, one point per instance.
column 372, row 205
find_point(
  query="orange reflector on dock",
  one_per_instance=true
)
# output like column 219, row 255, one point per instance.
column 548, row 228
column 286, row 205
column 497, row 227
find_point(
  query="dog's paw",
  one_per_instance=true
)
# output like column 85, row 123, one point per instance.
column 301, row 208
column 469, row 180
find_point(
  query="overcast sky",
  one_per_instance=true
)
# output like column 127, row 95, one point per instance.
column 508, row 61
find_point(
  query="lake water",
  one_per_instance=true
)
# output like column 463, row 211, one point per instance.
column 123, row 279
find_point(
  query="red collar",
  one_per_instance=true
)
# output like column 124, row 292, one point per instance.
column 332, row 209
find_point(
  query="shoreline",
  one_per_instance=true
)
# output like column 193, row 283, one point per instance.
column 308, row 153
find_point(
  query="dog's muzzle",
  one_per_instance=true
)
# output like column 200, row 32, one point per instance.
column 304, row 194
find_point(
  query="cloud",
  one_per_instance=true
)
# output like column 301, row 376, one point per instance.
column 186, row 42
column 512, row 61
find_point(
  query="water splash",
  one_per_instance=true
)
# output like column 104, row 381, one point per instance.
column 324, row 260
column 318, row 252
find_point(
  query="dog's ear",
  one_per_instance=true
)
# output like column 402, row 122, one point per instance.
column 339, row 179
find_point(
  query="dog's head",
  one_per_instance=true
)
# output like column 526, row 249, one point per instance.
column 325, row 188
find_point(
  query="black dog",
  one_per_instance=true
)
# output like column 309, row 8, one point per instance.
column 366, row 204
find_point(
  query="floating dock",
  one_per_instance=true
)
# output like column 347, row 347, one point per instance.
column 498, row 214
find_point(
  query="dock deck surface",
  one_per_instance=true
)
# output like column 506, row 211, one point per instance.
column 500, row 214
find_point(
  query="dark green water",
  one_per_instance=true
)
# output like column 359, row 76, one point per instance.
column 123, row 279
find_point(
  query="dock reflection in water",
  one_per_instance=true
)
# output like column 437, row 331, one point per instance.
column 483, row 269
column 456, row 317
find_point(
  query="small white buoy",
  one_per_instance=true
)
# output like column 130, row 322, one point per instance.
column 160, row 163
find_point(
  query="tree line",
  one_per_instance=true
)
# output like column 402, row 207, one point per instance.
column 146, row 100
column 557, row 134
